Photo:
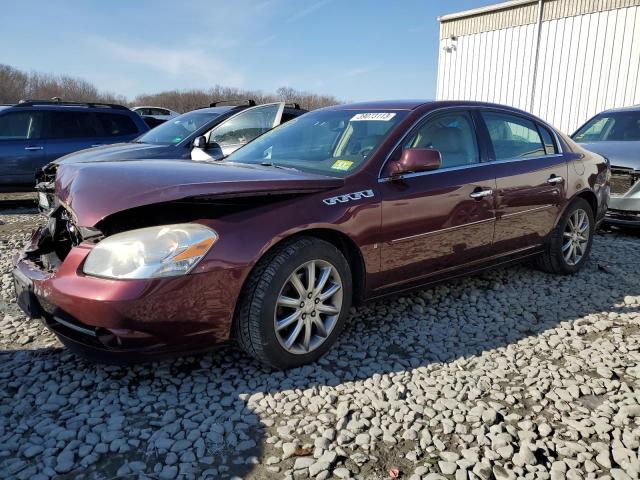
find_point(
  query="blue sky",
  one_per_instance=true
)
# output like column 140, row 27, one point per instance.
column 353, row 49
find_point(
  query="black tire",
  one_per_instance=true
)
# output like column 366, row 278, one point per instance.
column 255, row 322
column 553, row 259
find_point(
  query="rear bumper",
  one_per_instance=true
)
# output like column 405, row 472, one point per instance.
column 124, row 320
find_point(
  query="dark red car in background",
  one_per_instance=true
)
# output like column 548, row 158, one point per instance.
column 272, row 246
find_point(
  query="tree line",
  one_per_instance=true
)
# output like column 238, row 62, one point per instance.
column 16, row 85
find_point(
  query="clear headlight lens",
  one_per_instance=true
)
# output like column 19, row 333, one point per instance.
column 152, row 252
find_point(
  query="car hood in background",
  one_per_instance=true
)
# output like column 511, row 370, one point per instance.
column 94, row 191
column 117, row 151
column 620, row 154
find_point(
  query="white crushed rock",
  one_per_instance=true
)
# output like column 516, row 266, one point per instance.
column 508, row 374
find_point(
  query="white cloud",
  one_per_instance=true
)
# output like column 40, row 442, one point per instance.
column 307, row 11
column 359, row 71
column 197, row 64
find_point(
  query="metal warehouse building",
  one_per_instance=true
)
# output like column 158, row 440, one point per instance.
column 563, row 60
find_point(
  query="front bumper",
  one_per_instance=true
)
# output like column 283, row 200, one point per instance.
column 624, row 210
column 123, row 320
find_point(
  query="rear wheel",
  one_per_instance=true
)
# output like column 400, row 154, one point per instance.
column 295, row 303
column 570, row 243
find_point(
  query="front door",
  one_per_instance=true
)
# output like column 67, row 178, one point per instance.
column 21, row 147
column 530, row 176
column 438, row 220
column 238, row 130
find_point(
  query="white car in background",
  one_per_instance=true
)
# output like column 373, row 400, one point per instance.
column 155, row 112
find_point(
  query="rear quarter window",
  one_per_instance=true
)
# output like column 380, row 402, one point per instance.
column 115, row 124
column 549, row 143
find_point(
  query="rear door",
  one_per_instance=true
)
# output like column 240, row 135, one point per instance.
column 238, row 130
column 70, row 131
column 442, row 219
column 530, row 177
column 21, row 146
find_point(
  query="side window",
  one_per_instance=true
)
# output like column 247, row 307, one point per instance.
column 115, row 124
column 512, row 136
column 452, row 135
column 547, row 138
column 21, row 126
column 245, row 126
column 73, row 125
column 595, row 130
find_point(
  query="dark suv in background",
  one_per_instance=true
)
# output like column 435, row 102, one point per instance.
column 34, row 133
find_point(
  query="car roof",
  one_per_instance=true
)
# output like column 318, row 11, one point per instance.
column 61, row 105
column 218, row 110
column 424, row 104
column 630, row 108
column 381, row 105
column 148, row 106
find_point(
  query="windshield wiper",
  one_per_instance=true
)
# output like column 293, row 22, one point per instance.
column 271, row 164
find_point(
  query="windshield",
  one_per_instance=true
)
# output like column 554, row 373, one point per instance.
column 333, row 142
column 616, row 126
column 175, row 130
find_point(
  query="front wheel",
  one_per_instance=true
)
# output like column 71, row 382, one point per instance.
column 294, row 304
column 570, row 243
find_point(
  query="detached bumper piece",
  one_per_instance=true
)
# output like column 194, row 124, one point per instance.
column 623, row 218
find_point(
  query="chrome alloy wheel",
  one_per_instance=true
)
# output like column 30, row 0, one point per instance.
column 308, row 307
column 576, row 237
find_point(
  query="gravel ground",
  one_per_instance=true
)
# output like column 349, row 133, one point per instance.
column 508, row 374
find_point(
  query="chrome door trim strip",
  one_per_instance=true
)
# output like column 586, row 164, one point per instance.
column 535, row 209
column 426, row 234
column 461, row 167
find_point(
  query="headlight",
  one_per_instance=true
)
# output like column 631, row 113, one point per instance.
column 152, row 252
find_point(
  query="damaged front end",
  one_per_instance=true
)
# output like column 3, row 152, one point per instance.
column 46, row 187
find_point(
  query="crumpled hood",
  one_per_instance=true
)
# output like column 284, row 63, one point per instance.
column 94, row 191
column 620, row 154
column 117, row 151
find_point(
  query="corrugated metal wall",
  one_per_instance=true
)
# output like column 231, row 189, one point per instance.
column 589, row 59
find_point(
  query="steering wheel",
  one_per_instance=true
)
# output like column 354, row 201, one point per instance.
column 365, row 151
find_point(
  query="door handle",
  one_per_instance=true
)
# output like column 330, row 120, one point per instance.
column 481, row 193
column 33, row 148
column 553, row 180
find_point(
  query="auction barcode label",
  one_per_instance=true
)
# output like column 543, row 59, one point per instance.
column 380, row 116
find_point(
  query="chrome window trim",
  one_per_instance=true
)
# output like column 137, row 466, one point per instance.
column 461, row 167
column 425, row 116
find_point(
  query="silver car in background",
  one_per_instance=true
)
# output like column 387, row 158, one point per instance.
column 615, row 134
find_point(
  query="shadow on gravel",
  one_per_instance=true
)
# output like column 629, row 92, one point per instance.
column 200, row 417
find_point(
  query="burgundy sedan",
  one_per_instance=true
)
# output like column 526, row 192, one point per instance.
column 271, row 246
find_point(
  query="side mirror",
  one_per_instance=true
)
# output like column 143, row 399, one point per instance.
column 200, row 142
column 414, row 160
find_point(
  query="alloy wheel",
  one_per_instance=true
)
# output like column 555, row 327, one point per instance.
column 576, row 237
column 308, row 307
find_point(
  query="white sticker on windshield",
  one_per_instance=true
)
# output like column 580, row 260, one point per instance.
column 379, row 116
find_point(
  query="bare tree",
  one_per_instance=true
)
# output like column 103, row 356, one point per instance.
column 16, row 85
column 186, row 100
